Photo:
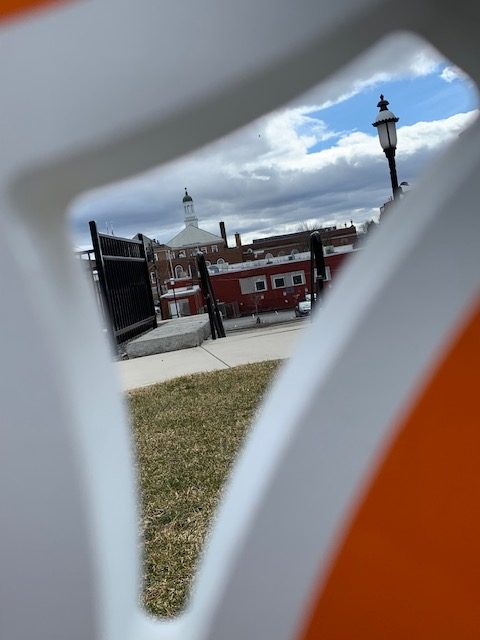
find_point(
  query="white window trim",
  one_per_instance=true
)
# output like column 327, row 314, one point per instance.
column 328, row 273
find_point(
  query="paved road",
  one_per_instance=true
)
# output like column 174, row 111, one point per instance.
column 242, row 347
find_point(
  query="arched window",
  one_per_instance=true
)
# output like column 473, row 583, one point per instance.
column 294, row 252
column 220, row 261
column 281, row 253
column 269, row 256
column 208, row 263
column 178, row 271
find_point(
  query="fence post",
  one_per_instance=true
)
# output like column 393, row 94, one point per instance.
column 216, row 323
column 147, row 275
column 317, row 261
column 100, row 266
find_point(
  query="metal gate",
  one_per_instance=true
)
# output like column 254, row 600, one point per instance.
column 124, row 279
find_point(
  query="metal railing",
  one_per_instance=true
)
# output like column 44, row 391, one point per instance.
column 125, row 283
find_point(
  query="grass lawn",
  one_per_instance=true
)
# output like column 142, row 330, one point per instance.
column 187, row 434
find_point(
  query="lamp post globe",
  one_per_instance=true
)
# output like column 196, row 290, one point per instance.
column 385, row 124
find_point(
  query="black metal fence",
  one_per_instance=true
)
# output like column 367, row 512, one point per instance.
column 124, row 280
column 317, row 268
column 214, row 315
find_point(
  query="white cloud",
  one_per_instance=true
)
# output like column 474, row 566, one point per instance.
column 262, row 179
column 348, row 180
column 396, row 57
column 452, row 73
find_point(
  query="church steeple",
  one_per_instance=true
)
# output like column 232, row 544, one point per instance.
column 189, row 210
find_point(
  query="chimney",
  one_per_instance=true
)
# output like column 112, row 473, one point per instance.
column 238, row 240
column 223, row 233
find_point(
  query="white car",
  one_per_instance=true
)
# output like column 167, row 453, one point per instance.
column 304, row 307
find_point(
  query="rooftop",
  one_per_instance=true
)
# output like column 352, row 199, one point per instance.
column 268, row 262
column 193, row 236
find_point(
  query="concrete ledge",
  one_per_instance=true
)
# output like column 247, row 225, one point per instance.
column 171, row 335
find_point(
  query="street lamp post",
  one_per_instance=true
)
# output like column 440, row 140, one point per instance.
column 385, row 124
column 172, row 283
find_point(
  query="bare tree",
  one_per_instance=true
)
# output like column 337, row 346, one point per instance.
column 369, row 225
column 309, row 225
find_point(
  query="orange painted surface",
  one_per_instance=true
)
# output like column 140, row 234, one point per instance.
column 410, row 564
column 8, row 8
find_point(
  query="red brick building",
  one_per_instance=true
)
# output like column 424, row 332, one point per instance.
column 182, row 300
column 176, row 258
column 267, row 274
column 268, row 285
column 299, row 242
column 253, row 287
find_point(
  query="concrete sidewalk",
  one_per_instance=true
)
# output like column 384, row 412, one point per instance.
column 257, row 345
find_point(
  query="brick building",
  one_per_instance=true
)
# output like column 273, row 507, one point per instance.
column 299, row 242
column 255, row 286
column 270, row 284
column 176, row 258
column 271, row 261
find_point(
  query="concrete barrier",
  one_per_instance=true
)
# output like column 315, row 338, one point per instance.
column 171, row 335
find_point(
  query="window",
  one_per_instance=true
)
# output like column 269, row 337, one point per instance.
column 294, row 252
column 253, row 284
column 214, row 248
column 288, row 280
column 328, row 273
column 203, row 249
column 153, row 277
column 208, row 263
column 182, row 254
column 269, row 256
column 220, row 261
column 178, row 271
column 260, row 285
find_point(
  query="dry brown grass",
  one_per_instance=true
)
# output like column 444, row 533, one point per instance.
column 187, row 434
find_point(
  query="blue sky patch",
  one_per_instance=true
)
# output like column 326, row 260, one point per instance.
column 424, row 98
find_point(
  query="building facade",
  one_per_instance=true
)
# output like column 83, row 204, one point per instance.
column 270, row 284
column 253, row 287
column 176, row 258
column 267, row 274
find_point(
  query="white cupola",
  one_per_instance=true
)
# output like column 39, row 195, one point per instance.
column 190, row 217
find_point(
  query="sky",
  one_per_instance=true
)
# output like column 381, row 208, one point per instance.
column 315, row 160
